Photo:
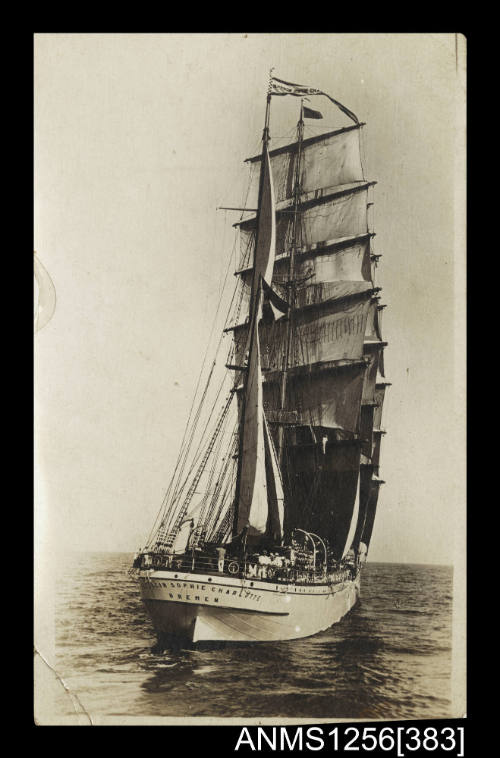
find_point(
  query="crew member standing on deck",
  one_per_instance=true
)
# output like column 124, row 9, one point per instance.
column 189, row 542
column 221, row 552
column 264, row 561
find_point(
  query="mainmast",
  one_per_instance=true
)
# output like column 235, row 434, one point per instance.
column 291, row 276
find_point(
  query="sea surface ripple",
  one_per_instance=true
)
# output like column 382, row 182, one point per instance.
column 389, row 658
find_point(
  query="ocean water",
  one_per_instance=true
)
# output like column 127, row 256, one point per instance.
column 389, row 658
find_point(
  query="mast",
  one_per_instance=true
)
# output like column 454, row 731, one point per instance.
column 322, row 358
column 253, row 308
column 291, row 275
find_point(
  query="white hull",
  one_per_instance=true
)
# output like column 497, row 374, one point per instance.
column 221, row 608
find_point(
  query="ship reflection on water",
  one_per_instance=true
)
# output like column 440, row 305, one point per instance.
column 390, row 657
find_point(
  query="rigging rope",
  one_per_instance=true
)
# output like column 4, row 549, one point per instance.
column 185, row 446
column 169, row 538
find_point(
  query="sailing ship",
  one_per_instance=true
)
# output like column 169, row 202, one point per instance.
column 267, row 521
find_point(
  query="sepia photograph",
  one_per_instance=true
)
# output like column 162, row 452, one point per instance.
column 249, row 378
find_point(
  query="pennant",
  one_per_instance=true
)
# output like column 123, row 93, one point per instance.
column 280, row 87
column 309, row 113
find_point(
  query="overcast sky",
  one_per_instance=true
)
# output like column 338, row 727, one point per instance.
column 138, row 138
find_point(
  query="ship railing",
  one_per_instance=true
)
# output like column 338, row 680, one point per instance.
column 239, row 568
